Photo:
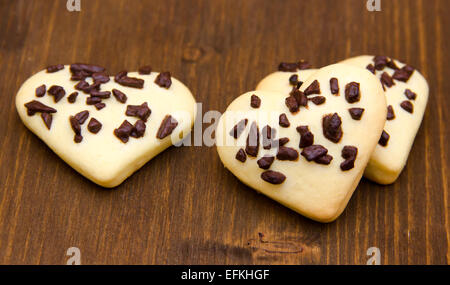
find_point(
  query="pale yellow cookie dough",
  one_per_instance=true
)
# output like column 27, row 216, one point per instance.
column 320, row 192
column 387, row 162
column 102, row 157
column 279, row 80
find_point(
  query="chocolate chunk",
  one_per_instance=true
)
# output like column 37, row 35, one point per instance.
column 100, row 106
column 120, row 75
column 94, row 126
column 86, row 88
column 314, row 151
column 306, row 137
column 407, row 106
column 82, row 85
column 303, row 64
column 403, row 74
column 87, row 68
column 380, row 62
column 131, row 82
column 293, row 80
column 410, row 95
column 75, row 124
column 284, row 121
column 100, row 77
column 292, row 104
column 352, row 92
column 300, row 97
column 82, row 116
column 255, row 102
column 57, row 92
column 318, row 100
column 72, row 97
column 124, row 131
column 349, row 153
column 168, row 124
column 288, row 66
column 79, row 75
column 141, row 111
column 164, row 80
column 237, row 130
column 145, row 70
column 387, row 80
column 241, row 156
column 273, row 177
column 334, row 86
column 34, row 107
column 371, row 68
column 384, row 139
column 356, row 113
column 390, row 113
column 252, row 145
column 55, row 68
column 313, row 88
column 332, row 129
column 40, row 91
column 78, row 138
column 93, row 100
column 299, row 84
column 287, row 153
column 101, row 94
column 391, row 64
column 139, row 129
column 265, row 162
column 120, row 96
column 326, row 159
column 282, row 141
column 47, row 118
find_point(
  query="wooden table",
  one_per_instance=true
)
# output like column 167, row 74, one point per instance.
column 183, row 207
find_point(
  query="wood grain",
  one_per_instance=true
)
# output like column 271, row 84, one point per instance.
column 183, row 207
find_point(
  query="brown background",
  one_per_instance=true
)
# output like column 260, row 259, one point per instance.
column 183, row 206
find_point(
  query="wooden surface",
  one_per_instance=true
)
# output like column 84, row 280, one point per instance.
column 183, row 207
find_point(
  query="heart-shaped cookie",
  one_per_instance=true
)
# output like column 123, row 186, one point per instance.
column 105, row 127
column 307, row 150
column 406, row 93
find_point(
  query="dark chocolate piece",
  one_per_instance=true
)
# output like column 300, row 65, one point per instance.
column 390, row 113
column 72, row 97
column 124, row 131
column 334, row 86
column 34, row 107
column 349, row 153
column 293, row 80
column 93, row 100
column 40, row 91
column 313, row 88
column 313, row 152
column 387, row 80
column 120, row 96
column 403, row 74
column 237, row 130
column 101, row 77
column 325, row 159
column 391, row 64
column 318, row 100
column 252, row 144
column 47, row 118
column 101, row 94
column 273, row 177
column 284, row 121
column 287, row 153
column 265, row 162
column 371, row 68
column 139, row 129
column 167, row 126
column 75, row 124
column 380, row 62
column 82, row 116
column 57, row 92
column 332, row 129
column 300, row 97
column 303, row 64
column 306, row 137
column 281, row 141
column 407, row 106
column 124, row 80
column 352, row 92
column 145, row 70
column 410, row 95
column 288, row 66
column 87, row 68
column 55, row 68
column 255, row 101
column 100, row 106
column 141, row 111
column 383, row 141
column 164, row 80
column 356, row 113
column 292, row 104
column 94, row 126
column 241, row 156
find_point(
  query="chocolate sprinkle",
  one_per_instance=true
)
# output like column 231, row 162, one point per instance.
column 273, row 177
column 82, row 116
column 124, row 131
column 407, row 106
column 124, row 80
column 403, row 74
column 255, row 101
column 332, row 129
column 349, row 153
column 265, row 162
column 281, row 141
column 334, row 86
column 284, row 121
column 55, row 68
column 93, row 100
column 356, row 113
column 352, row 92
column 100, row 77
column 94, row 126
column 120, row 96
column 164, row 80
column 314, row 152
column 293, row 80
column 371, row 68
column 34, row 107
column 167, row 126
column 391, row 64
column 387, row 80
column 75, row 124
column 40, row 91
column 87, row 68
column 72, row 97
column 325, row 159
column 318, row 100
column 287, row 153
column 145, row 70
column 252, row 144
column 313, row 88
column 101, row 94
column 57, row 92
column 100, row 106
column 141, row 111
column 410, row 95
column 380, row 62
column 292, row 104
column 383, row 141
column 47, row 118
column 306, row 137
column 390, row 113
column 237, row 130
column 139, row 129
column 303, row 64
column 241, row 156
